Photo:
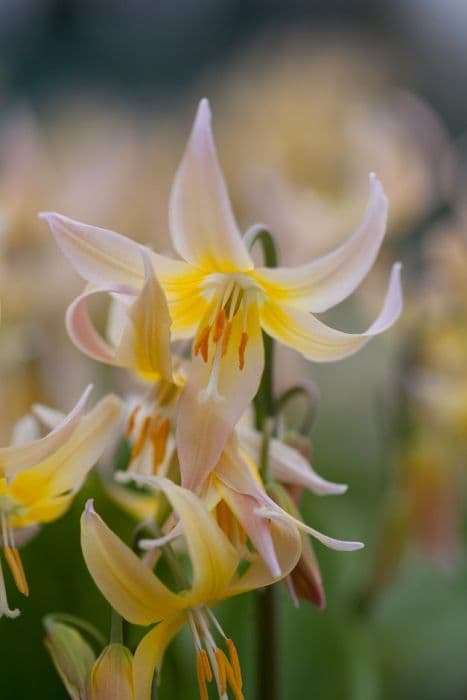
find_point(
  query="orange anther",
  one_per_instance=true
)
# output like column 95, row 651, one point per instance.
column 159, row 436
column 200, row 673
column 234, row 660
column 232, row 678
column 241, row 349
column 131, row 420
column 202, row 343
column 219, row 325
column 143, row 433
column 206, row 665
column 16, row 567
column 226, row 337
column 220, row 658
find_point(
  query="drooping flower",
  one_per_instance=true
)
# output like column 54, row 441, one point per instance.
column 142, row 598
column 218, row 296
column 40, row 478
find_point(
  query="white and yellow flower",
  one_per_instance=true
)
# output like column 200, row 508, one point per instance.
column 217, row 296
column 40, row 478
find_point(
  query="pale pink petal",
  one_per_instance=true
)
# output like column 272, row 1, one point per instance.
column 287, row 465
column 202, row 224
column 331, row 542
column 320, row 343
column 105, row 258
column 326, row 281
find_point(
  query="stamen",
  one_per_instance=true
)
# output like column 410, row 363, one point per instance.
column 159, row 436
column 207, row 665
column 219, row 325
column 231, row 678
column 203, row 690
column 139, row 444
column 131, row 420
column 226, row 337
column 16, row 567
column 241, row 349
column 202, row 343
column 234, row 660
column 4, row 607
column 222, row 671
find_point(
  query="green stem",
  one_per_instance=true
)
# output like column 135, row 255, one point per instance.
column 269, row 668
column 116, row 628
column 268, row 653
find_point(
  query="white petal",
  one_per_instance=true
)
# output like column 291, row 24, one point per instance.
column 202, row 224
column 326, row 281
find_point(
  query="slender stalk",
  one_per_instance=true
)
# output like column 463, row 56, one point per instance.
column 267, row 620
column 116, row 628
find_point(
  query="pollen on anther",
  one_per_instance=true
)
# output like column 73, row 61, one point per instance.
column 220, row 658
column 16, row 567
column 226, row 337
column 234, row 660
column 219, row 325
column 241, row 349
column 131, row 421
column 202, row 344
column 139, row 444
column 200, row 673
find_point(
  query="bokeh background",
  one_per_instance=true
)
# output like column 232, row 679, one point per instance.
column 308, row 97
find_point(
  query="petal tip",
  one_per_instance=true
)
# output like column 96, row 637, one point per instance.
column 89, row 507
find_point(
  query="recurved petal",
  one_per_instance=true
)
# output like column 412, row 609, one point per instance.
column 202, row 224
column 287, row 545
column 213, row 558
column 67, row 467
column 123, row 579
column 82, row 331
column 287, row 465
column 103, row 257
column 328, row 280
column 209, row 410
column 16, row 458
column 320, row 343
column 331, row 542
column 98, row 255
column 149, row 655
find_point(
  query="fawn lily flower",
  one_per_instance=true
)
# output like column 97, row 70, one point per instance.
column 236, row 483
column 142, row 598
column 217, row 296
column 40, row 478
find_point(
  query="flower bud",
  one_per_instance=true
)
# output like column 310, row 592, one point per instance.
column 72, row 657
column 112, row 674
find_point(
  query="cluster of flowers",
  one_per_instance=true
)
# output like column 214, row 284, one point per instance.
column 225, row 488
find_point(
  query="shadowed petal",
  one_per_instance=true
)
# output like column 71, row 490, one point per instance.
column 149, row 654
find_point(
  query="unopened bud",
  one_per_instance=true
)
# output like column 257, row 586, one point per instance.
column 112, row 674
column 72, row 656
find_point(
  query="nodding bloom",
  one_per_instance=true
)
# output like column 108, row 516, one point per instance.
column 219, row 298
column 39, row 479
column 141, row 597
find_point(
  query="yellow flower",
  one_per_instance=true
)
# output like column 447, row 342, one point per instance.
column 137, row 593
column 40, row 478
column 218, row 296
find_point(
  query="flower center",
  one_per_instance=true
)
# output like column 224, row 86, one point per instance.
column 230, row 296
